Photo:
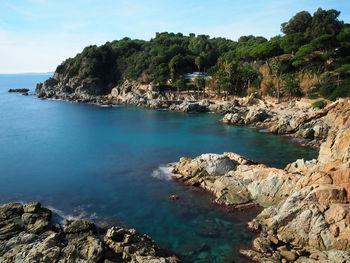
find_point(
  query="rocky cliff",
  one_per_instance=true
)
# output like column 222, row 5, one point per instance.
column 306, row 216
column 27, row 234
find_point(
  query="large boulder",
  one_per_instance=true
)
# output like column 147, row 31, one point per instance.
column 235, row 180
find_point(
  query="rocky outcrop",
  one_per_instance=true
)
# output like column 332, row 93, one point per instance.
column 235, row 180
column 306, row 216
column 295, row 118
column 28, row 235
column 19, row 90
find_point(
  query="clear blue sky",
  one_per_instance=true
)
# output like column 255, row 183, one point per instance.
column 37, row 35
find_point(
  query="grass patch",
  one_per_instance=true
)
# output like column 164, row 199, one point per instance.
column 320, row 104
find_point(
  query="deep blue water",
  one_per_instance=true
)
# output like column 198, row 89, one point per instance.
column 95, row 162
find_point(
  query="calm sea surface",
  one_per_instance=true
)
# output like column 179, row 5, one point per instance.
column 109, row 164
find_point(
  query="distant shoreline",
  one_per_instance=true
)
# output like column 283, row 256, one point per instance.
column 28, row 73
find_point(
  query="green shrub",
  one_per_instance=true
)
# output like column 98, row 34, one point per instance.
column 305, row 50
column 319, row 104
column 314, row 95
column 342, row 91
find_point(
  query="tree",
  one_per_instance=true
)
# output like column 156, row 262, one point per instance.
column 291, row 43
column 199, row 82
column 297, row 24
column 180, row 83
column 323, row 42
column 199, row 61
column 324, row 22
column 174, row 64
column 291, row 84
column 305, row 50
column 267, row 49
column 224, row 82
column 276, row 71
column 248, row 75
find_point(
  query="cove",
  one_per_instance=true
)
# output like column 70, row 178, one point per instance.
column 110, row 163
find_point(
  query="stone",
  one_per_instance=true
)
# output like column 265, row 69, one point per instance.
column 262, row 244
column 19, row 90
column 174, row 197
column 80, row 226
column 9, row 229
column 10, row 211
column 289, row 255
column 77, row 243
column 220, row 165
column 31, row 207
column 273, row 239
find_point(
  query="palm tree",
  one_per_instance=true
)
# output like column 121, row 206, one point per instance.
column 199, row 81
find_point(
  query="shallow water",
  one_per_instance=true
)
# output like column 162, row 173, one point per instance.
column 97, row 162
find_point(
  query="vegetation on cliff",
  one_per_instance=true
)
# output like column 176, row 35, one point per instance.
column 311, row 58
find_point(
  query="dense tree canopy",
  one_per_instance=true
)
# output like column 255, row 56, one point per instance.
column 309, row 41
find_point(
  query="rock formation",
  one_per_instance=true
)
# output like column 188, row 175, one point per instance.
column 19, row 90
column 295, row 118
column 28, row 235
column 306, row 216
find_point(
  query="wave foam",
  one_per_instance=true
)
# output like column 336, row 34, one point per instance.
column 163, row 172
column 79, row 213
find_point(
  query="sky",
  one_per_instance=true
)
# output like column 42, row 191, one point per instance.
column 37, row 35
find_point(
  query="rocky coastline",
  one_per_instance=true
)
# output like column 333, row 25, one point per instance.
column 27, row 234
column 292, row 118
column 306, row 216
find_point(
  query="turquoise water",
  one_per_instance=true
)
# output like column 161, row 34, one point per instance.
column 94, row 162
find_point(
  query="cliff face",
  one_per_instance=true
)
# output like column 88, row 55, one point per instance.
column 307, row 205
column 79, row 87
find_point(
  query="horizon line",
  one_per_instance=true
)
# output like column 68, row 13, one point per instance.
column 26, row 73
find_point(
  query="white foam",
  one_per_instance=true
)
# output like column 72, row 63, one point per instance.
column 79, row 213
column 163, row 172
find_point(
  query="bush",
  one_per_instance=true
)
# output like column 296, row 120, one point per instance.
column 319, row 104
column 314, row 95
column 342, row 91
column 305, row 50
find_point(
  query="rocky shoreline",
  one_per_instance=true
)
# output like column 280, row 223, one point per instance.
column 27, row 234
column 306, row 216
column 295, row 118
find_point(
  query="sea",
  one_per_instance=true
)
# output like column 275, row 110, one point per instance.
column 111, row 164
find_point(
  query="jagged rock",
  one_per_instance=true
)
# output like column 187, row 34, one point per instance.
column 10, row 211
column 306, row 206
column 79, row 228
column 262, row 244
column 87, row 248
column 254, row 116
column 301, row 219
column 236, row 183
column 234, row 119
column 36, row 218
column 77, row 243
column 129, row 245
column 9, row 229
column 32, row 207
column 220, row 165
